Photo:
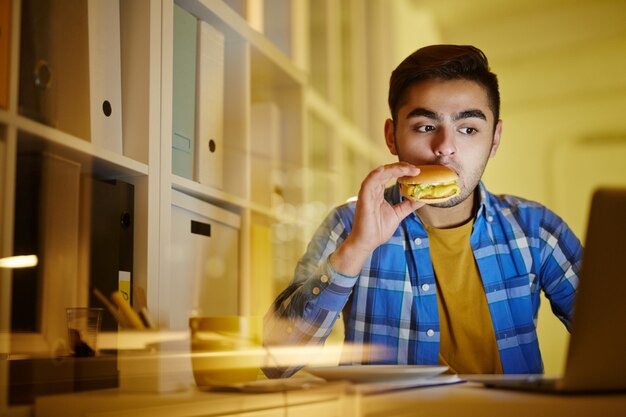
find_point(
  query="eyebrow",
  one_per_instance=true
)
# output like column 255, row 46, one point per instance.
column 421, row 112
column 466, row 114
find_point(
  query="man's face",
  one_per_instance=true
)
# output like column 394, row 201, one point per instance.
column 446, row 122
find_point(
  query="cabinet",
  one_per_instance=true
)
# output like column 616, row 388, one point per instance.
column 294, row 139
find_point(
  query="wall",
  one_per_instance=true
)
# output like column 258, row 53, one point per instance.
column 562, row 71
column 556, row 140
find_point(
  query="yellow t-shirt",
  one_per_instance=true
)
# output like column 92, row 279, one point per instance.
column 468, row 341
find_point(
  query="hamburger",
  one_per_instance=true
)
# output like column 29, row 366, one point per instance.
column 434, row 184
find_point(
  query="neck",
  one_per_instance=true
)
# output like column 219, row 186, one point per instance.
column 446, row 218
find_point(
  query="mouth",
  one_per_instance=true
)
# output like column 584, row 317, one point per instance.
column 449, row 166
column 446, row 164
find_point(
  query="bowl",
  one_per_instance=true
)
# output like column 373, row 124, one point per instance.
column 226, row 349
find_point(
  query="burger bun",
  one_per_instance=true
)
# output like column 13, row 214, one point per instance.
column 439, row 179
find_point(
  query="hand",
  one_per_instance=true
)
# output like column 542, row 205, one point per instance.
column 375, row 220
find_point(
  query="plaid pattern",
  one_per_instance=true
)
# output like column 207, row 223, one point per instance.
column 520, row 248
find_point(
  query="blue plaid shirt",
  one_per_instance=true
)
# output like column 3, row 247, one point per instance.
column 520, row 248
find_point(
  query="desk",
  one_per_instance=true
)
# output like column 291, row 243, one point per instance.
column 323, row 401
column 472, row 399
column 333, row 400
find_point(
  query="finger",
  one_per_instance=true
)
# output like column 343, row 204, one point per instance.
column 373, row 186
column 384, row 173
column 407, row 207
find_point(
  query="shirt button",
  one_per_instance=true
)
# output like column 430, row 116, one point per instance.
column 489, row 219
column 430, row 332
column 324, row 279
column 417, row 241
column 425, row 287
column 315, row 291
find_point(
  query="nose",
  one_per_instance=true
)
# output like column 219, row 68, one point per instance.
column 444, row 144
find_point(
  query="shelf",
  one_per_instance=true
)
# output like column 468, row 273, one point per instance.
column 235, row 28
column 210, row 195
column 100, row 162
column 349, row 134
column 274, row 167
column 226, row 200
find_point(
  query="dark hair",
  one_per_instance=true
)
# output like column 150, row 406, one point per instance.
column 445, row 62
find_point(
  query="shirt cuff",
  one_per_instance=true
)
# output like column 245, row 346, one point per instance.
column 330, row 289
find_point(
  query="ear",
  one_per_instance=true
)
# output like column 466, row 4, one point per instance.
column 496, row 139
column 390, row 138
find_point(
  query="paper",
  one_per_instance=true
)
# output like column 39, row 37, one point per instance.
column 274, row 385
column 378, row 387
column 298, row 383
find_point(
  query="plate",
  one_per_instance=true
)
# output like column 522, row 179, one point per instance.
column 375, row 373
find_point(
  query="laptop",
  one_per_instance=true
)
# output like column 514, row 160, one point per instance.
column 596, row 357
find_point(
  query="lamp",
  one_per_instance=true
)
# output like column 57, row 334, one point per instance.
column 21, row 261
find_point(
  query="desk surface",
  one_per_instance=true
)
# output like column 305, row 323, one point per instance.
column 473, row 399
column 467, row 400
column 191, row 402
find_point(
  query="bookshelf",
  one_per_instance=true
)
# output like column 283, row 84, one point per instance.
column 295, row 143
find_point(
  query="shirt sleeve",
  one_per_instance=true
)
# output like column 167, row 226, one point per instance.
column 561, row 261
column 305, row 312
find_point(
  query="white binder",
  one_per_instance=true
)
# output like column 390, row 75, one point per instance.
column 184, row 92
column 265, row 133
column 208, row 166
column 105, row 78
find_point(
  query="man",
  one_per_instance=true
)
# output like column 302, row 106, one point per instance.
column 456, row 283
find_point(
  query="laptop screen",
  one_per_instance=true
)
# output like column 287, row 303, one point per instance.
column 597, row 351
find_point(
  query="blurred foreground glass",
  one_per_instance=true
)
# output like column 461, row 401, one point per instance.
column 226, row 350
column 83, row 325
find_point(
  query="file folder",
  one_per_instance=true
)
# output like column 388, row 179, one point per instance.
column 54, row 65
column 184, row 92
column 111, row 242
column 46, row 224
column 70, row 68
column 209, row 150
column 27, row 223
column 265, row 133
column 105, row 74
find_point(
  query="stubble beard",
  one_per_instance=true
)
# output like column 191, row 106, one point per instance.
column 467, row 185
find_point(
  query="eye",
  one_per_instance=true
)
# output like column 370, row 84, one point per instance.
column 468, row 130
column 424, row 128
